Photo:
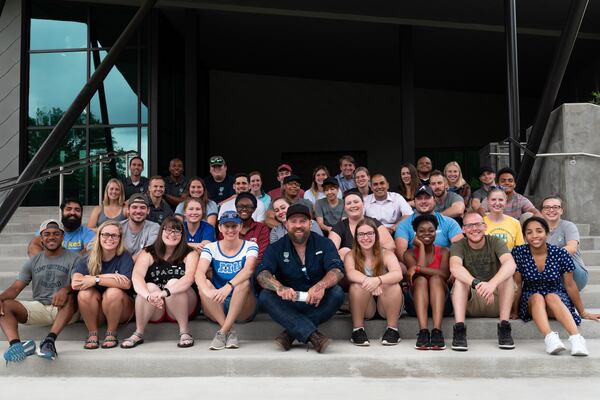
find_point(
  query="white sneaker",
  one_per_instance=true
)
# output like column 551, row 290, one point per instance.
column 578, row 347
column 553, row 343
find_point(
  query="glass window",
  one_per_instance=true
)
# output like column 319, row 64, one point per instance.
column 48, row 34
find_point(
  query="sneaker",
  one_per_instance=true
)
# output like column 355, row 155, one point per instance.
column 19, row 351
column 232, row 341
column 284, row 340
column 47, row 350
column 423, row 340
column 391, row 337
column 505, row 340
column 553, row 343
column 459, row 339
column 578, row 347
column 437, row 340
column 319, row 341
column 359, row 337
column 219, row 341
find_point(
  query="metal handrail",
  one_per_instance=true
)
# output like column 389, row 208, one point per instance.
column 69, row 168
column 577, row 154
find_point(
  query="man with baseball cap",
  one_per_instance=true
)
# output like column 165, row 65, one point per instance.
column 487, row 177
column 290, row 190
column 330, row 210
column 218, row 184
column 49, row 273
column 283, row 171
column 448, row 230
column 138, row 232
column 299, row 275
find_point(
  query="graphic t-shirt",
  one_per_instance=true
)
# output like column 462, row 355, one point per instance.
column 224, row 267
column 481, row 263
column 509, row 230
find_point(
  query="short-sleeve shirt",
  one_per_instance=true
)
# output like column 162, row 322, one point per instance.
column 204, row 232
column 175, row 188
column 482, row 263
column 342, row 229
column 330, row 215
column 211, row 209
column 345, row 183
column 48, row 275
column 480, row 194
column 136, row 242
column 78, row 239
column 219, row 191
column 158, row 214
column 450, row 199
column 282, row 260
column 225, row 268
column 509, row 230
column 565, row 231
column 388, row 211
column 446, row 230
column 515, row 207
column 131, row 188
column 122, row 265
column 258, row 215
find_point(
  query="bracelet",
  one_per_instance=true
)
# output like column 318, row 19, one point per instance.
column 418, row 269
column 231, row 284
column 168, row 292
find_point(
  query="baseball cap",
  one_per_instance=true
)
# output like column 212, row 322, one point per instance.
column 230, row 216
column 485, row 168
column 424, row 189
column 297, row 209
column 331, row 181
column 138, row 198
column 292, row 178
column 51, row 223
column 284, row 167
column 216, row 160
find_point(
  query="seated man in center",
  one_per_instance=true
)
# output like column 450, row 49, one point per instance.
column 299, row 275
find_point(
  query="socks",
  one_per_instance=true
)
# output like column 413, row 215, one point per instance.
column 14, row 341
column 356, row 329
column 395, row 329
column 51, row 336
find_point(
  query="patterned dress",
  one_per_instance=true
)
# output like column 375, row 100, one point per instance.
column 558, row 262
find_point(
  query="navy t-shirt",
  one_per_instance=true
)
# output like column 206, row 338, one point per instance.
column 204, row 232
column 122, row 264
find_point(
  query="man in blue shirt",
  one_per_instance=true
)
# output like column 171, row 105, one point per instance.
column 77, row 237
column 301, row 264
column 448, row 230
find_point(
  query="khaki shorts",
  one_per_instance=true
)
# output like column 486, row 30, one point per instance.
column 40, row 314
column 477, row 307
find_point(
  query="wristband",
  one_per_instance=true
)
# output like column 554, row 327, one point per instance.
column 231, row 284
column 168, row 292
column 418, row 269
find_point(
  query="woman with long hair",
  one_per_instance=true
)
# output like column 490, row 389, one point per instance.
column 456, row 182
column 196, row 189
column 428, row 272
column 499, row 224
column 280, row 207
column 409, row 183
column 198, row 232
column 362, row 179
column 103, row 281
column 113, row 205
column 316, row 192
column 374, row 275
column 163, row 276
column 257, row 190
column 228, row 295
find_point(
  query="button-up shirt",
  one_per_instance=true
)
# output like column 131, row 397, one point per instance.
column 387, row 211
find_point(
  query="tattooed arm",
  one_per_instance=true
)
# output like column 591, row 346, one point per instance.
column 267, row 281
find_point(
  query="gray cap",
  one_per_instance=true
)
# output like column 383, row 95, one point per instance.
column 51, row 223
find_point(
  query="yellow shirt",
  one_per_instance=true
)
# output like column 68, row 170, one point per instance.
column 509, row 230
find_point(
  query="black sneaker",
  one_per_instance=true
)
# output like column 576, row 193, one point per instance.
column 423, row 340
column 390, row 337
column 459, row 341
column 437, row 340
column 505, row 340
column 359, row 337
column 47, row 350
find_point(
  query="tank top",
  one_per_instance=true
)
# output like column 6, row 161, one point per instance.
column 437, row 257
column 103, row 217
column 162, row 272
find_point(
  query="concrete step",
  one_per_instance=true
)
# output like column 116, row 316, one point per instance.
column 591, row 296
column 591, row 257
column 12, row 264
column 13, row 249
column 589, row 242
column 163, row 359
column 16, row 238
column 593, row 274
column 584, row 229
column 21, row 227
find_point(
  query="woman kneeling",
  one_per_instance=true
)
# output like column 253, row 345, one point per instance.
column 162, row 278
column 374, row 274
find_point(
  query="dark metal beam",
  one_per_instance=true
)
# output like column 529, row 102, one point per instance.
column 408, row 93
column 553, row 82
column 191, row 93
column 53, row 141
column 2, row 2
column 512, row 72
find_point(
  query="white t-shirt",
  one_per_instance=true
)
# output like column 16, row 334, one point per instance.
column 258, row 215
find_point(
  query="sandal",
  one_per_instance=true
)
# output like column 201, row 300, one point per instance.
column 91, row 344
column 185, row 341
column 110, row 340
column 132, row 342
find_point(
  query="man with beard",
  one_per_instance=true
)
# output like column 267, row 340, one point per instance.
column 300, row 274
column 175, row 183
column 76, row 236
column 447, row 203
column 257, row 232
column 135, row 182
column 49, row 273
column 424, row 169
column 138, row 232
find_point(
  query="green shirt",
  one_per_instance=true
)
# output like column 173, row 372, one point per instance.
column 481, row 263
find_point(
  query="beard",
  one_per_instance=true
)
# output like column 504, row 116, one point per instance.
column 71, row 222
column 296, row 238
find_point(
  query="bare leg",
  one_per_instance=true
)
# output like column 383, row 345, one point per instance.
column 180, row 305
column 14, row 312
column 561, row 313
column 506, row 295
column 390, row 303
column 89, row 307
column 64, row 316
column 237, row 304
column 537, row 309
column 460, row 296
column 420, row 292
column 117, row 307
column 437, row 297
column 359, row 302
column 213, row 310
column 145, row 311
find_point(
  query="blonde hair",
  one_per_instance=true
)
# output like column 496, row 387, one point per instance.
column 106, row 200
column 460, row 182
column 95, row 257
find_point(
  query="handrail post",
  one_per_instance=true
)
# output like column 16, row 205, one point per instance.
column 100, row 180
column 61, row 186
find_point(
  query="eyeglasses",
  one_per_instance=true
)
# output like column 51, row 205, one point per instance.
column 113, row 236
column 51, row 234
column 553, row 208
column 473, row 225
column 362, row 235
column 245, row 207
column 172, row 232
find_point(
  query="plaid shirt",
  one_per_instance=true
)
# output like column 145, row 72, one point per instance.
column 516, row 206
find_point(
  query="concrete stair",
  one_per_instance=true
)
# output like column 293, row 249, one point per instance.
column 258, row 356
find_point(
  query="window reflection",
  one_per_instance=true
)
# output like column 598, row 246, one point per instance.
column 49, row 34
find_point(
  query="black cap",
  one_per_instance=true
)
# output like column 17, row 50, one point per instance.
column 424, row 189
column 298, row 209
column 331, row 181
column 292, row 178
column 485, row 168
column 246, row 195
column 138, row 198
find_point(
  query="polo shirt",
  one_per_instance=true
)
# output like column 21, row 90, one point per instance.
column 388, row 211
column 175, row 188
column 219, row 191
column 446, row 230
column 130, row 188
column 158, row 214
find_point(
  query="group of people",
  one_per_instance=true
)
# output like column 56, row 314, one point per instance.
column 164, row 249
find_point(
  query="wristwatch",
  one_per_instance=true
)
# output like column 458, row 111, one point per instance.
column 475, row 282
column 97, row 280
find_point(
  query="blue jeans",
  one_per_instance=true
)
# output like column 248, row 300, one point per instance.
column 580, row 276
column 299, row 319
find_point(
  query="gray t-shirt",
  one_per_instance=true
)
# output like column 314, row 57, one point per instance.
column 330, row 215
column 565, row 231
column 451, row 198
column 480, row 194
column 48, row 274
column 135, row 242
